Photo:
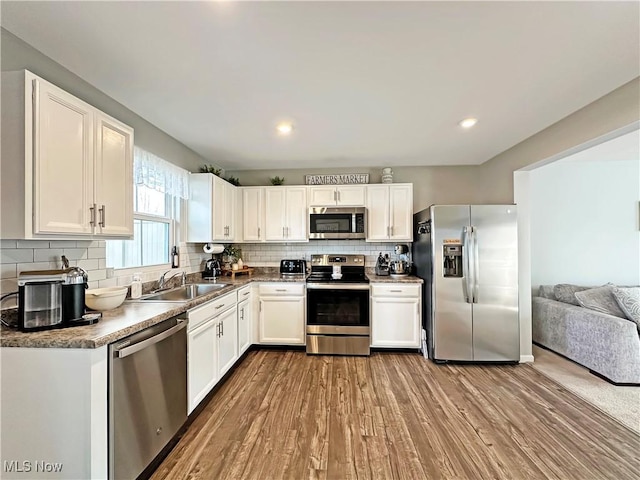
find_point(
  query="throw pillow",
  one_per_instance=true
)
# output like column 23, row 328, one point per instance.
column 565, row 293
column 601, row 300
column 629, row 301
column 546, row 291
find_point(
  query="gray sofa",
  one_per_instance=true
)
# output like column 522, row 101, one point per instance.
column 605, row 344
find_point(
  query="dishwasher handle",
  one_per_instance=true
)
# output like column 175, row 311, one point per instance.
column 136, row 347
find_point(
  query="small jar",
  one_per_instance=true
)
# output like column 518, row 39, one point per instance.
column 387, row 175
column 240, row 264
column 234, row 266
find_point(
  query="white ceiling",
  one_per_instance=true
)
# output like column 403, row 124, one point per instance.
column 365, row 83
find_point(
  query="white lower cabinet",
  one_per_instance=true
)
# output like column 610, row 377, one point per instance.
column 227, row 340
column 212, row 345
column 396, row 315
column 201, row 364
column 245, row 325
column 282, row 314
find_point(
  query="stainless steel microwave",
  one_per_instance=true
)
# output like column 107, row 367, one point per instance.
column 337, row 222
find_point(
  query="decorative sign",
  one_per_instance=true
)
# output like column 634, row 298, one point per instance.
column 451, row 241
column 338, row 179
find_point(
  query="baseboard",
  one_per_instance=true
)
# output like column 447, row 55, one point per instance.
column 526, row 358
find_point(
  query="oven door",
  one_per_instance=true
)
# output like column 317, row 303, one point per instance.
column 338, row 309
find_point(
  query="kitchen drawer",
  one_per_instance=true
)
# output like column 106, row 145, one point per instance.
column 281, row 289
column 244, row 293
column 210, row 309
column 395, row 290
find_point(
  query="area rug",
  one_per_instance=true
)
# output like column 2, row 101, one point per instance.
column 620, row 403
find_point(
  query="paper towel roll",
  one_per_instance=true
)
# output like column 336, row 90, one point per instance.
column 213, row 248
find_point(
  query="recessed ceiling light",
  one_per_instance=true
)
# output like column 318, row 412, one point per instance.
column 284, row 128
column 468, row 122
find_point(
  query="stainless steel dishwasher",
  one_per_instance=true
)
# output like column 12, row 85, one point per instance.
column 147, row 395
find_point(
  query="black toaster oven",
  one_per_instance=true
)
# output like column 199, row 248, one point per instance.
column 293, row 267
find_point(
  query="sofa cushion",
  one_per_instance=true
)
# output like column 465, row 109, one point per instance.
column 546, row 291
column 565, row 292
column 629, row 302
column 601, row 300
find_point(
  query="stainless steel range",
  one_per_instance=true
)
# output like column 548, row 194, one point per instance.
column 338, row 319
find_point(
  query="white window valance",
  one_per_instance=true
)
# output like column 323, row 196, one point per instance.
column 154, row 172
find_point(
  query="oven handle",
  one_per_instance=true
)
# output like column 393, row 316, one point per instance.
column 333, row 286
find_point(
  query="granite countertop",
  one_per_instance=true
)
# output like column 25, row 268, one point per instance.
column 131, row 317
column 373, row 278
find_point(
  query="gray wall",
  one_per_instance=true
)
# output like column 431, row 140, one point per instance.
column 18, row 55
column 615, row 110
column 569, row 198
column 442, row 185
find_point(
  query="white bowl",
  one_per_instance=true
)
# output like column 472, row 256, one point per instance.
column 105, row 298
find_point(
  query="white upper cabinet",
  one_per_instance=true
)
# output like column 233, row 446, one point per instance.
column 286, row 214
column 390, row 212
column 63, row 163
column 113, row 169
column 253, row 214
column 211, row 214
column 67, row 169
column 344, row 195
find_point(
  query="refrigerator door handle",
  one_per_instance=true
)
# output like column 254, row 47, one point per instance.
column 476, row 264
column 468, row 275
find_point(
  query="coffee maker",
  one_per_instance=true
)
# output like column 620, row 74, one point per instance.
column 212, row 269
column 40, row 300
column 51, row 299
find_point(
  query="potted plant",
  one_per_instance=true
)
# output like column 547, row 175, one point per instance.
column 231, row 253
column 211, row 169
column 276, row 180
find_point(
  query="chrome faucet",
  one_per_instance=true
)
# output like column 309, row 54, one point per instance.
column 162, row 280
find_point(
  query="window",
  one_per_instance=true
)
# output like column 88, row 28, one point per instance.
column 158, row 187
column 152, row 232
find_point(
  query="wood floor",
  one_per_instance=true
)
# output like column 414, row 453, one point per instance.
column 286, row 415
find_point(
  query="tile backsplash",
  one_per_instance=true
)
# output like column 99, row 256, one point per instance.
column 22, row 255
column 269, row 255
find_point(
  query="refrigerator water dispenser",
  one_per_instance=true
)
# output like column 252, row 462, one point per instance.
column 452, row 261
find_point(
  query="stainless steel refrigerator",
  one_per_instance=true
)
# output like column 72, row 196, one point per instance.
column 467, row 256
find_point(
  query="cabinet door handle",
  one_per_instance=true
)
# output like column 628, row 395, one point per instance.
column 338, row 192
column 258, row 232
column 281, row 289
column 287, row 232
column 217, row 330
column 391, row 231
column 222, row 329
column 92, row 209
column 242, row 314
column 220, row 306
column 282, row 232
column 395, row 291
column 335, row 197
column 103, row 215
column 246, row 293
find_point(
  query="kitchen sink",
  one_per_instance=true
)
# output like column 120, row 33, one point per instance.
column 184, row 293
